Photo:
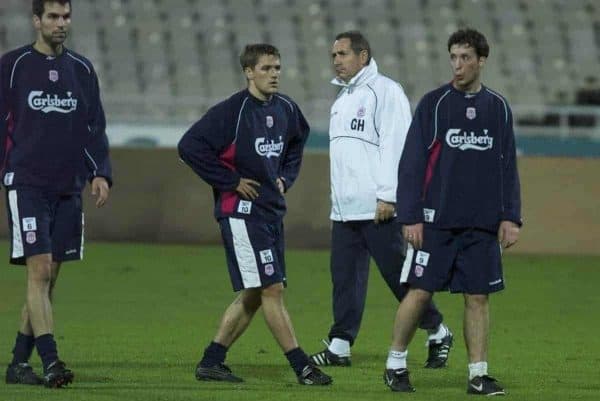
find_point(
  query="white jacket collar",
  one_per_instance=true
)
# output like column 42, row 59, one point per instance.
column 365, row 75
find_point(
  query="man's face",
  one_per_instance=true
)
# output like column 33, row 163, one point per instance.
column 345, row 62
column 54, row 24
column 264, row 77
column 466, row 67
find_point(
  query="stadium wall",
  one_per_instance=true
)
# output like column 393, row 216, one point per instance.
column 156, row 198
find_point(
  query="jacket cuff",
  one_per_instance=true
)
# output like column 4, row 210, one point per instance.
column 107, row 178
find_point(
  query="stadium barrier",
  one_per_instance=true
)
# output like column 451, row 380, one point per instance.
column 156, row 198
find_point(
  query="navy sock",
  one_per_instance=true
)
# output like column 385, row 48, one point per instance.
column 24, row 345
column 298, row 359
column 46, row 348
column 214, row 354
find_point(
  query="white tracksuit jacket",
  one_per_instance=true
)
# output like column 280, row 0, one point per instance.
column 367, row 130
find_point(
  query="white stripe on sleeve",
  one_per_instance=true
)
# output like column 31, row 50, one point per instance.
column 82, row 235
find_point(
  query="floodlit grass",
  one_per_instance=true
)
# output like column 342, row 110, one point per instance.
column 132, row 321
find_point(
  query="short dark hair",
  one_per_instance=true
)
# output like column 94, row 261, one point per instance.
column 252, row 52
column 37, row 6
column 358, row 42
column 471, row 38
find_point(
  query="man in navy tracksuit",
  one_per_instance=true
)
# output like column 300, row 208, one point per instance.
column 249, row 149
column 458, row 177
column 52, row 139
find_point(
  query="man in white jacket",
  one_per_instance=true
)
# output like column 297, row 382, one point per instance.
column 368, row 124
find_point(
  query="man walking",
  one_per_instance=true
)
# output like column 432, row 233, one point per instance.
column 52, row 139
column 458, row 174
column 367, row 130
column 249, row 149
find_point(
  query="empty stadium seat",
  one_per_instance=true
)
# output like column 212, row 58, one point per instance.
column 177, row 57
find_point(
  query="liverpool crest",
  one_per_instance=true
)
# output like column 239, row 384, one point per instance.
column 471, row 113
column 53, row 75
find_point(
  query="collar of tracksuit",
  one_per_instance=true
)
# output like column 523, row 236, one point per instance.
column 365, row 75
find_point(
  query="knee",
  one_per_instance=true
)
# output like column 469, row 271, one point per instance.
column 40, row 273
column 476, row 301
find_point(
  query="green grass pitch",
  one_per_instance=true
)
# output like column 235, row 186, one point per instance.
column 132, row 321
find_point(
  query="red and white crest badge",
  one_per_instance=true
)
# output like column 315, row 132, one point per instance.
column 269, row 121
column 419, row 270
column 269, row 269
column 30, row 237
column 53, row 75
column 471, row 113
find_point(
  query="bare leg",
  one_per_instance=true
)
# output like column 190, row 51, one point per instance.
column 476, row 326
column 277, row 317
column 408, row 317
column 25, row 327
column 39, row 287
column 55, row 269
column 238, row 316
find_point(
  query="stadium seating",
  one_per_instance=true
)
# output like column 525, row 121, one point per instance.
column 168, row 60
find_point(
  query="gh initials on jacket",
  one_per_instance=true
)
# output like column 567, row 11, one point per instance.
column 357, row 124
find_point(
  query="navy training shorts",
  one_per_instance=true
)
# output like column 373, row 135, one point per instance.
column 254, row 252
column 41, row 222
column 461, row 260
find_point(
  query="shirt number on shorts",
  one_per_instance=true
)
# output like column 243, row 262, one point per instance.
column 266, row 256
column 244, row 207
column 29, row 224
column 422, row 258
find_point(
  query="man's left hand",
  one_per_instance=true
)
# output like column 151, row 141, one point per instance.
column 508, row 233
column 100, row 189
column 384, row 211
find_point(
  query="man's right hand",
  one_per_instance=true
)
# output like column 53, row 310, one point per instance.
column 414, row 234
column 247, row 188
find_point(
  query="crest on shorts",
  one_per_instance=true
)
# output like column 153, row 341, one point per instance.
column 361, row 112
column 269, row 269
column 419, row 270
column 30, row 237
column 269, row 121
column 53, row 75
column 471, row 113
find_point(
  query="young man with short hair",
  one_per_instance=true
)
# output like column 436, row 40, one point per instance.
column 249, row 148
column 458, row 175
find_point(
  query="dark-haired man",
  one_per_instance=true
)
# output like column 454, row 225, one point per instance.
column 249, row 148
column 367, row 129
column 458, row 176
column 52, row 139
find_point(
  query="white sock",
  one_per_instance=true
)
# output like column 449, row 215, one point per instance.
column 439, row 334
column 340, row 347
column 396, row 360
column 477, row 369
